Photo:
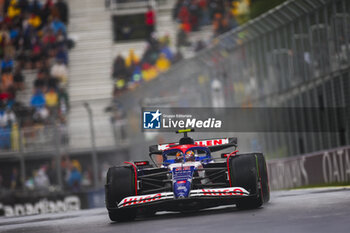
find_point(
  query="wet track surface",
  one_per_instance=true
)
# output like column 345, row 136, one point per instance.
column 313, row 210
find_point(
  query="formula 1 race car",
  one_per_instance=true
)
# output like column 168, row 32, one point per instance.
column 188, row 179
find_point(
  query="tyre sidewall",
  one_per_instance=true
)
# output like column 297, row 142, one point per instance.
column 120, row 183
column 244, row 173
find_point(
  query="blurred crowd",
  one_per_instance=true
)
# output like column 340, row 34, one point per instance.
column 76, row 176
column 33, row 38
column 132, row 70
column 194, row 14
column 191, row 15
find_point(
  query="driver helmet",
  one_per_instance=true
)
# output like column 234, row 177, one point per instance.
column 179, row 157
column 190, row 156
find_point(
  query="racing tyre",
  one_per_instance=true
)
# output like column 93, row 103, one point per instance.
column 263, row 177
column 246, row 172
column 120, row 183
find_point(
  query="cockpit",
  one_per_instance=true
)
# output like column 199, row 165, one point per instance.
column 186, row 153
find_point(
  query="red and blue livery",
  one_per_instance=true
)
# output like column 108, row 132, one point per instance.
column 188, row 178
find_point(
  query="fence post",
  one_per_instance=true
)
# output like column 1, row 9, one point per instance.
column 93, row 144
column 58, row 156
column 21, row 156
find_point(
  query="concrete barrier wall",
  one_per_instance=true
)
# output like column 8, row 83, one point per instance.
column 324, row 167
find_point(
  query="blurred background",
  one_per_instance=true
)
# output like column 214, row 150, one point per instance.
column 75, row 74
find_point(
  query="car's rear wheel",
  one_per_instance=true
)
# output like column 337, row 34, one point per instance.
column 249, row 172
column 120, row 184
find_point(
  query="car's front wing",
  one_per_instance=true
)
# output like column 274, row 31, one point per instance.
column 197, row 193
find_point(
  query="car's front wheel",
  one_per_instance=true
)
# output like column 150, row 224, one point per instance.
column 120, row 183
column 249, row 172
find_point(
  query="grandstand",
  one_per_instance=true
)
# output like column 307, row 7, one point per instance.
column 91, row 70
column 89, row 82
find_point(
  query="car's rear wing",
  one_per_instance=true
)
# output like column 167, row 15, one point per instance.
column 215, row 144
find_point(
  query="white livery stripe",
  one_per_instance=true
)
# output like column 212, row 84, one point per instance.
column 217, row 192
column 208, row 142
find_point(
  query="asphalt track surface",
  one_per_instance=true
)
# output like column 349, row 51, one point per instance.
column 310, row 210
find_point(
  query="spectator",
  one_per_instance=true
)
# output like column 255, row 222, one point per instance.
column 7, row 65
column 217, row 6
column 167, row 52
column 12, row 95
column 5, row 96
column 205, row 14
column 220, row 24
column 7, row 80
column 52, row 173
column 136, row 75
column 44, row 67
column 35, row 7
column 15, row 137
column 165, row 40
column 151, row 54
column 149, row 72
column 231, row 21
column 176, row 9
column 150, row 21
column 119, row 68
column 66, row 166
column 38, row 100
column 14, row 34
column 13, row 10
column 34, row 20
column 182, row 37
column 46, row 11
column 63, row 11
column 62, row 55
column 87, row 179
column 194, row 15
column 74, row 179
column 7, row 117
column 40, row 83
column 49, row 39
column 23, row 5
column 15, row 179
column 29, row 183
column 51, row 98
column 5, row 137
column 120, row 84
column 132, row 59
column 162, row 63
column 63, row 101
column 184, row 15
column 18, row 79
column 60, row 39
column 41, row 180
column 199, row 45
column 36, row 53
column 57, row 26
column 59, row 70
